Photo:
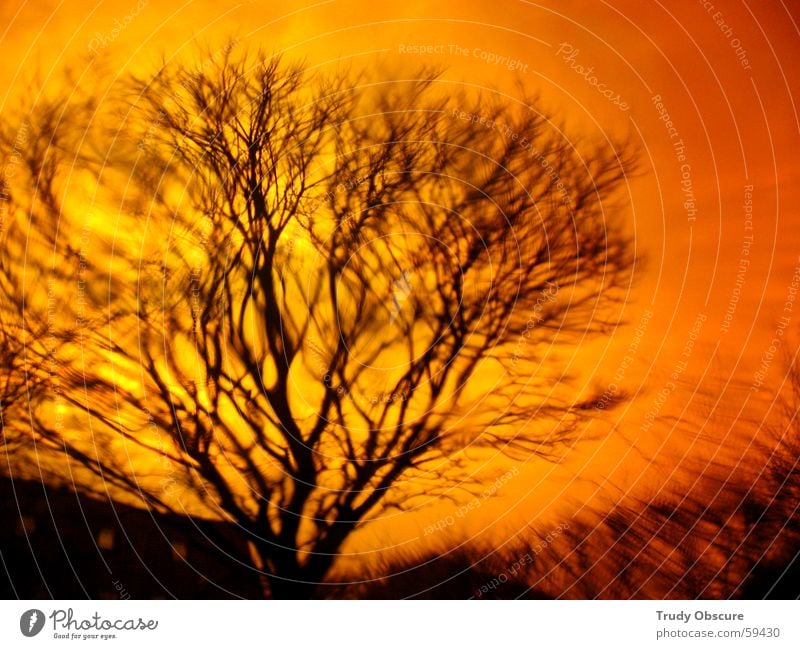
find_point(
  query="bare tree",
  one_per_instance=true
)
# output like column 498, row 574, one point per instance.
column 340, row 287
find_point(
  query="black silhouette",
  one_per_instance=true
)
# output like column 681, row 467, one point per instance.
column 309, row 297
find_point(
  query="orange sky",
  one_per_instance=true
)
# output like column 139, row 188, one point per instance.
column 736, row 116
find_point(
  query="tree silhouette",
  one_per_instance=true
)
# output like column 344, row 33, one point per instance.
column 718, row 531
column 322, row 291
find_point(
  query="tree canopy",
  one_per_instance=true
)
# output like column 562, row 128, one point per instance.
column 309, row 296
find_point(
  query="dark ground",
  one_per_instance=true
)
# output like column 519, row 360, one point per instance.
column 54, row 544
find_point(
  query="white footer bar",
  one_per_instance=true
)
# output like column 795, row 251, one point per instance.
column 407, row 624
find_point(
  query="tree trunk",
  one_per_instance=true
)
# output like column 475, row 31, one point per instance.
column 287, row 578
column 291, row 580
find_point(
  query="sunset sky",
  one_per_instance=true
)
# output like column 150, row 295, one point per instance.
column 706, row 91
